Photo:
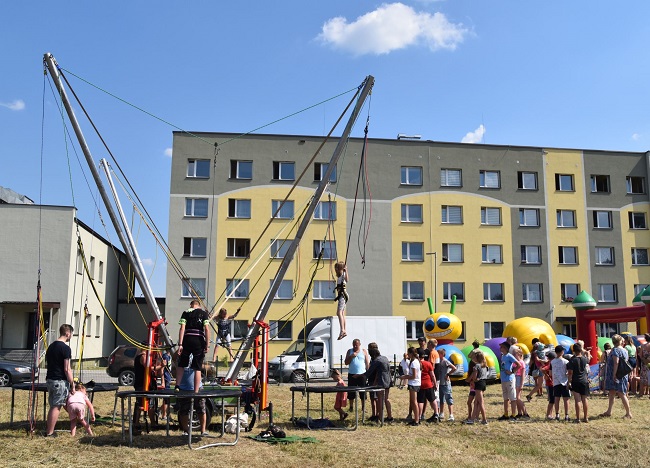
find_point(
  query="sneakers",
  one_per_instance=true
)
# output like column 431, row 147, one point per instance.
column 176, row 389
column 585, row 420
column 451, row 418
column 433, row 419
column 414, row 423
column 513, row 419
column 484, row 422
column 52, row 435
column 576, row 421
column 567, row 418
column 529, row 398
column 557, row 417
column 388, row 420
column 205, row 434
column 469, row 421
column 503, row 418
column 371, row 418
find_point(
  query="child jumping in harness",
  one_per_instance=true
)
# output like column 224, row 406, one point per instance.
column 342, row 296
column 223, row 332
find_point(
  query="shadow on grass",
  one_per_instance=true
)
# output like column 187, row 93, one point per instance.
column 143, row 441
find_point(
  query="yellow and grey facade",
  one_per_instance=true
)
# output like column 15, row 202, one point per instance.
column 511, row 231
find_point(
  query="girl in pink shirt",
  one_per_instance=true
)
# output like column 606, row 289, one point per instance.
column 76, row 407
column 520, row 374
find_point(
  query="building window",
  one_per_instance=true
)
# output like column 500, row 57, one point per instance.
column 239, row 208
column 452, row 253
column 531, row 254
column 325, row 210
column 414, row 329
column 570, row 330
column 237, row 288
column 532, row 292
column 285, row 291
column 284, row 170
column 637, row 220
column 279, row 247
column 323, row 290
column 569, row 291
column 635, row 185
column 568, row 255
column 413, row 251
column 564, row 182
column 493, row 292
column 320, row 169
column 453, row 289
column 489, row 179
column 285, row 210
column 607, row 293
column 602, row 219
column 280, row 329
column 639, row 256
column 526, row 180
column 462, row 336
column 196, row 207
column 101, row 272
column 238, row 248
column 92, row 267
column 491, row 253
column 452, row 214
column 566, row 218
column 412, row 290
column 605, row 256
column 411, row 213
column 451, row 178
column 600, row 184
column 75, row 323
column 238, row 329
column 241, row 169
column 529, row 217
column 98, row 326
column 491, row 216
column 411, row 175
column 639, row 288
column 328, row 248
column 193, row 287
column 198, row 168
column 80, row 263
column 195, row 246
column 493, row 329
column 608, row 329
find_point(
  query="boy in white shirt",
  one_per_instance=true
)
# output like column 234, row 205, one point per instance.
column 560, row 383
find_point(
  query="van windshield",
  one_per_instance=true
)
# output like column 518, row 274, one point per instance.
column 295, row 349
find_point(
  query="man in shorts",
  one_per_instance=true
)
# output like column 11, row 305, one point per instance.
column 59, row 376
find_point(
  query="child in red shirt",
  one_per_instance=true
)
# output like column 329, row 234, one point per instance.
column 548, row 379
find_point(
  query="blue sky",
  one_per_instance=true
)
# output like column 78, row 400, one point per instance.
column 556, row 74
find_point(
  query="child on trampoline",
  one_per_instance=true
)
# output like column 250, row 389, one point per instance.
column 342, row 296
column 76, row 406
column 223, row 332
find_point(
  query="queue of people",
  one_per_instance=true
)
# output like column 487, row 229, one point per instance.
column 426, row 372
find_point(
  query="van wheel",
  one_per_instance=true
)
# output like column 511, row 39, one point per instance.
column 298, row 376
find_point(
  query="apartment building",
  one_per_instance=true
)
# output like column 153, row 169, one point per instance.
column 510, row 231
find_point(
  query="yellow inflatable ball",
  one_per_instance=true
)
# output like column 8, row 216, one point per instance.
column 527, row 328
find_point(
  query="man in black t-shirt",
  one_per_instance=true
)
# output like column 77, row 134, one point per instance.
column 193, row 339
column 59, row 376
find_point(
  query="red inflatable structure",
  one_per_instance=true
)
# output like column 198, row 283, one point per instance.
column 587, row 315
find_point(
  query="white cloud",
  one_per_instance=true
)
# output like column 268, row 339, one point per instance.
column 16, row 105
column 146, row 262
column 474, row 137
column 392, row 27
column 168, row 152
column 636, row 136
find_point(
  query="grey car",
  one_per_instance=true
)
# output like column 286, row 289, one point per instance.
column 13, row 372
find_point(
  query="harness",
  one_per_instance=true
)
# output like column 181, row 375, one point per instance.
column 341, row 292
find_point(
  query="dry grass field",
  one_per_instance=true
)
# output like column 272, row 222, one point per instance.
column 612, row 441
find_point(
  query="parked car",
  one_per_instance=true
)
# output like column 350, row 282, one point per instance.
column 120, row 364
column 12, row 372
